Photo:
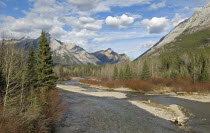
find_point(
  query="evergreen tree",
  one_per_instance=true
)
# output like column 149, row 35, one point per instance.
column 204, row 68
column 31, row 67
column 145, row 71
column 121, row 74
column 46, row 76
column 128, row 72
column 115, row 73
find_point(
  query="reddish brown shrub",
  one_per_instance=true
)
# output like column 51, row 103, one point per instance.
column 139, row 85
column 176, row 84
column 9, row 121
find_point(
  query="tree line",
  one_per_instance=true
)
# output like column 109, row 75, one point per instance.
column 192, row 65
column 25, row 81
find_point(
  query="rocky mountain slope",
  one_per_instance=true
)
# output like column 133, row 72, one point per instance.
column 111, row 57
column 195, row 29
column 68, row 53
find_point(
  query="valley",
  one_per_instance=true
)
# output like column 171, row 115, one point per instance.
column 104, row 66
column 93, row 110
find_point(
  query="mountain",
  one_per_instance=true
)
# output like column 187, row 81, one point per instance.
column 63, row 53
column 67, row 53
column 111, row 57
column 191, row 34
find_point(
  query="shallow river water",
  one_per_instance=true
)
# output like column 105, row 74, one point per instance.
column 93, row 114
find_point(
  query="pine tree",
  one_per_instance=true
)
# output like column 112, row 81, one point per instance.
column 204, row 68
column 145, row 71
column 121, row 74
column 31, row 67
column 115, row 73
column 46, row 77
column 128, row 72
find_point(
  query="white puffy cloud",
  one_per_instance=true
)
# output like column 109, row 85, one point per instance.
column 119, row 22
column 156, row 25
column 87, row 23
column 51, row 16
column 156, row 6
column 86, row 20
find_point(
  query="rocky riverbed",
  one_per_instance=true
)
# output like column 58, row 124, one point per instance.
column 102, row 110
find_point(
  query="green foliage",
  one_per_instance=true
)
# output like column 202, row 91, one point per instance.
column 46, row 76
column 145, row 71
column 31, row 67
column 128, row 72
column 30, row 106
column 121, row 74
column 115, row 73
column 204, row 76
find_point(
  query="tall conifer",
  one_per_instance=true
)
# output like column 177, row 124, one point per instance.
column 145, row 71
column 115, row 73
column 46, row 76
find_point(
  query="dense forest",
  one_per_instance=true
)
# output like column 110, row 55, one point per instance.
column 28, row 100
column 190, row 67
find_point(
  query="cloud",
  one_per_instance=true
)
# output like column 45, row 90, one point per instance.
column 101, row 40
column 119, row 22
column 84, row 5
column 177, row 19
column 156, row 25
column 159, row 25
column 148, row 44
column 96, row 6
column 197, row 9
column 51, row 16
column 156, row 6
column 78, row 24
column 186, row 8
column 2, row 4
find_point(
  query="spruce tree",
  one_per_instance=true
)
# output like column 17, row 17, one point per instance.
column 204, row 76
column 145, row 71
column 46, row 77
column 121, row 74
column 128, row 72
column 31, row 67
column 115, row 73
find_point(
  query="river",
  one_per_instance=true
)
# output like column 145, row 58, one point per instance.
column 93, row 114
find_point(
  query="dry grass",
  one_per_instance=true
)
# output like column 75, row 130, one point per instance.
column 154, row 85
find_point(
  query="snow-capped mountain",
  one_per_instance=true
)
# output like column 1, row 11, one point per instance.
column 70, row 54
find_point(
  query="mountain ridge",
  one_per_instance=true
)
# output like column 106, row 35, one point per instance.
column 197, row 22
column 110, row 56
column 67, row 54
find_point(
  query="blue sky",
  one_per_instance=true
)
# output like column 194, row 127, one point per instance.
column 126, row 26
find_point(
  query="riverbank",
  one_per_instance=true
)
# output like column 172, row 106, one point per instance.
column 93, row 110
column 195, row 96
column 171, row 113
